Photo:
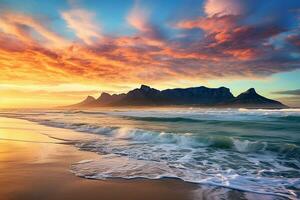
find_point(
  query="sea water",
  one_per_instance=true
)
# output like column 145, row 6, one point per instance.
column 249, row 150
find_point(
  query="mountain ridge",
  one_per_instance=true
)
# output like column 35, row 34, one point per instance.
column 192, row 96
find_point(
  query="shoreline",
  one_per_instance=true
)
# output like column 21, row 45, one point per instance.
column 36, row 166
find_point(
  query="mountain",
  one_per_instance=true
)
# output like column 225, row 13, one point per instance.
column 87, row 102
column 107, row 99
column 194, row 96
column 146, row 95
column 251, row 99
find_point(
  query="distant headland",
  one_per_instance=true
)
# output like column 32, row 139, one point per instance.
column 193, row 96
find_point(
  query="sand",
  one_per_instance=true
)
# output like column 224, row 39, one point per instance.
column 34, row 166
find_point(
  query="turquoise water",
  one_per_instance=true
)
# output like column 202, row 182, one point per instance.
column 249, row 150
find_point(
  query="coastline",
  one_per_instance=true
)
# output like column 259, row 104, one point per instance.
column 35, row 166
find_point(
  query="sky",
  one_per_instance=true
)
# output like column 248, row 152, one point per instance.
column 58, row 52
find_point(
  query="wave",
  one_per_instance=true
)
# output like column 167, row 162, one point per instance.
column 290, row 118
column 224, row 122
column 113, row 166
column 87, row 112
column 162, row 119
column 213, row 117
column 188, row 140
column 80, row 127
column 218, row 142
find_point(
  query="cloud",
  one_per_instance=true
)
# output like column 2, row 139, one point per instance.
column 223, row 7
column 225, row 46
column 21, row 26
column 230, row 31
column 139, row 18
column 294, row 40
column 289, row 92
column 210, row 24
column 225, row 36
column 84, row 25
column 293, row 101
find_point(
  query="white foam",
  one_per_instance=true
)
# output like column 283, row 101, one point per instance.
column 249, row 146
column 112, row 166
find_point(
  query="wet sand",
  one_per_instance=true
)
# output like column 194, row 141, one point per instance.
column 34, row 166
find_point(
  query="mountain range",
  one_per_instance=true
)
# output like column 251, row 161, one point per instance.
column 194, row 96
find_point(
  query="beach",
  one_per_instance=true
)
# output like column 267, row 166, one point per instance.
column 33, row 166
column 36, row 165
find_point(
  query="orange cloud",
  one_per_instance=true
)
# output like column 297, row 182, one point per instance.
column 211, row 24
column 243, row 54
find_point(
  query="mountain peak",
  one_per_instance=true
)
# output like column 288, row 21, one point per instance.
column 145, row 87
column 251, row 99
column 104, row 94
column 89, row 99
column 250, row 91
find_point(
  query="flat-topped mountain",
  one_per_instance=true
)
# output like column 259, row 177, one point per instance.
column 196, row 96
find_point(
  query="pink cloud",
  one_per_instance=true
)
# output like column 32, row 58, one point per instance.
column 83, row 23
column 139, row 18
column 223, row 7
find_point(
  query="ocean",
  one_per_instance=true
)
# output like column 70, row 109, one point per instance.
column 249, row 150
